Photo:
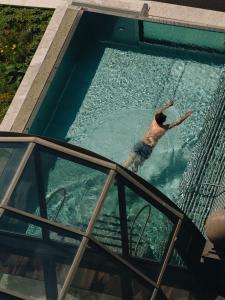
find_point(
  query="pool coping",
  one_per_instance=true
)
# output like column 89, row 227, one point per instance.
column 60, row 29
column 191, row 17
column 160, row 12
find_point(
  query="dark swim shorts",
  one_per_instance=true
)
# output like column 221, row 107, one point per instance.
column 143, row 150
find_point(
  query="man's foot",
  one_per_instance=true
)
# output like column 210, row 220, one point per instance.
column 134, row 169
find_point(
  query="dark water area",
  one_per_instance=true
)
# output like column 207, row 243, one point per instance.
column 218, row 5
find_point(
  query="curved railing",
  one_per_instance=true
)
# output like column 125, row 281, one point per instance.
column 118, row 234
column 143, row 228
column 61, row 202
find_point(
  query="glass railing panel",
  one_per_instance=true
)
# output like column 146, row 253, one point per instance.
column 107, row 229
column 34, row 260
column 59, row 187
column 101, row 276
column 149, row 231
column 133, row 227
column 149, row 228
column 10, row 157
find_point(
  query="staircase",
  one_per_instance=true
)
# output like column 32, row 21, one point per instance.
column 108, row 232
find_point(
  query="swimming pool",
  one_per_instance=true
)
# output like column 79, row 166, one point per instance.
column 108, row 88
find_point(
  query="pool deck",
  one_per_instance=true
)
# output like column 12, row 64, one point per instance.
column 64, row 21
column 209, row 4
column 188, row 16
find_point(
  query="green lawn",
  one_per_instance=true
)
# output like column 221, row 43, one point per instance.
column 21, row 30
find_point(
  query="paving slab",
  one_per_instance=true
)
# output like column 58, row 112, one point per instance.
column 191, row 16
column 134, row 8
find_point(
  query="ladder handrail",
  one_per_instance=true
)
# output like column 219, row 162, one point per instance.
column 142, row 231
column 61, row 201
column 63, row 198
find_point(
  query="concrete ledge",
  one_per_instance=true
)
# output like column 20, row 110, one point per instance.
column 118, row 7
column 187, row 16
column 40, row 70
column 35, row 3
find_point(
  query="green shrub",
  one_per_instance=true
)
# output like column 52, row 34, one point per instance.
column 21, row 30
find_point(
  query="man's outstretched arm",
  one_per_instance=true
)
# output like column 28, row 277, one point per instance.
column 178, row 122
column 165, row 107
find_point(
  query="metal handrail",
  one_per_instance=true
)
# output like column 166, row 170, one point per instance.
column 210, row 184
column 142, row 231
column 61, row 201
column 85, row 191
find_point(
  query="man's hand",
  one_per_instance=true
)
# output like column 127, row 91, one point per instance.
column 189, row 113
column 171, row 103
column 165, row 107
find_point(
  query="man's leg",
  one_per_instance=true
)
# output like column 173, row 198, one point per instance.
column 130, row 160
column 137, row 162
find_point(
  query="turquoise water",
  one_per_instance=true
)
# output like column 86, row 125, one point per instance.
column 107, row 106
column 193, row 37
column 104, row 95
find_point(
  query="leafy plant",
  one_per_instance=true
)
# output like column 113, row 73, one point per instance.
column 21, row 30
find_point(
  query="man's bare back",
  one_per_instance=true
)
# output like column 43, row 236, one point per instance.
column 142, row 150
column 154, row 133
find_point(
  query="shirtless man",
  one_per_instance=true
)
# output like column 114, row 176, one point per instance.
column 143, row 149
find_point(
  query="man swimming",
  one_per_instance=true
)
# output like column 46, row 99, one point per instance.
column 143, row 149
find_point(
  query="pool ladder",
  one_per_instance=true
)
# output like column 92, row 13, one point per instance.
column 61, row 202
column 111, row 235
column 143, row 228
column 114, row 231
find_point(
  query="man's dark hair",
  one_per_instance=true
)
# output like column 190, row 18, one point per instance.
column 160, row 118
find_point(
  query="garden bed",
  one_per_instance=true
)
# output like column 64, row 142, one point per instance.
column 21, row 30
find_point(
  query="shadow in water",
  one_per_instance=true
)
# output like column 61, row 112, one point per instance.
column 173, row 170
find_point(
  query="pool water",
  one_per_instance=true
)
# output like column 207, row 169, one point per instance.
column 107, row 106
column 103, row 97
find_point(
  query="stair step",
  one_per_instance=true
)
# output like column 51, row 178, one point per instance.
column 101, row 236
